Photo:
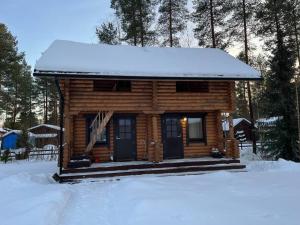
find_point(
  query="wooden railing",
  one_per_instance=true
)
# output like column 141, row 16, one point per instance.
column 97, row 127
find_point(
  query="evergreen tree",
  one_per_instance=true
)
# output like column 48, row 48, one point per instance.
column 242, row 11
column 107, row 33
column 210, row 18
column 16, row 83
column 136, row 18
column 279, row 90
column 9, row 52
column 48, row 100
column 172, row 20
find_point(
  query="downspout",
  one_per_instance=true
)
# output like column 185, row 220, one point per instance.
column 61, row 124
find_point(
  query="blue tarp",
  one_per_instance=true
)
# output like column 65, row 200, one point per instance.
column 10, row 141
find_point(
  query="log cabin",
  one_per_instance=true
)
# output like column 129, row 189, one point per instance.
column 127, row 103
column 45, row 135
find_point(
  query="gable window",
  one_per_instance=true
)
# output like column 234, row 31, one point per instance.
column 192, row 86
column 112, row 85
column 102, row 139
column 196, row 129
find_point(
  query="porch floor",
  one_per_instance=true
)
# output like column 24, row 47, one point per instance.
column 118, row 169
column 130, row 163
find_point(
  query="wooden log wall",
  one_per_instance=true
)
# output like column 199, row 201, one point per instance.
column 82, row 99
column 191, row 149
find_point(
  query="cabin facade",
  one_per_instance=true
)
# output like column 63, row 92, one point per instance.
column 239, row 124
column 140, row 108
column 45, row 134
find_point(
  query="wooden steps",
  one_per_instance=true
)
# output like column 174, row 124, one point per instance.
column 71, row 175
column 97, row 127
column 79, row 161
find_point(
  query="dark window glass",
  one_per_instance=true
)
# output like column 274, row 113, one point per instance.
column 125, row 128
column 192, row 86
column 123, row 85
column 172, row 128
column 112, row 85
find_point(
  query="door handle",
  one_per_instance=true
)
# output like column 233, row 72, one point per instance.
column 118, row 138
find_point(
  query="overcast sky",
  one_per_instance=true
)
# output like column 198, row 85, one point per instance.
column 37, row 23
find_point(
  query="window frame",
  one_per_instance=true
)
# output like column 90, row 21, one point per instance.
column 88, row 120
column 196, row 140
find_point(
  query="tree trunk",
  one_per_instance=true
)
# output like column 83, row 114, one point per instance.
column 141, row 23
column 212, row 24
column 253, row 133
column 170, row 24
column 297, row 74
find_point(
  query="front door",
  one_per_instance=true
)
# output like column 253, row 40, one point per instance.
column 124, row 138
column 172, row 137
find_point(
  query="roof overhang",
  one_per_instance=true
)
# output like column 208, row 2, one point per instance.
column 89, row 75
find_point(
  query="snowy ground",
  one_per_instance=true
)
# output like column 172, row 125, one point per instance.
column 267, row 194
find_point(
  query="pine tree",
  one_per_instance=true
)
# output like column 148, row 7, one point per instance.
column 108, row 33
column 279, row 90
column 47, row 98
column 172, row 20
column 9, row 52
column 136, row 19
column 210, row 18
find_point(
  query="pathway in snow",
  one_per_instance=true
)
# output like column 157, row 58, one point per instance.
column 267, row 195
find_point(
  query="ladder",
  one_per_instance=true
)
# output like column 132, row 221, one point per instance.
column 97, row 127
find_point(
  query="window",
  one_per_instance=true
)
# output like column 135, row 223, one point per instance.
column 102, row 139
column 125, row 130
column 196, row 129
column 112, row 85
column 192, row 86
column 172, row 127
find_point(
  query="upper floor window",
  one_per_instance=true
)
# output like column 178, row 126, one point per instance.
column 192, row 86
column 112, row 85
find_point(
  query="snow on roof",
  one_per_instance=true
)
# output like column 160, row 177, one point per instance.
column 45, row 125
column 42, row 135
column 236, row 121
column 80, row 59
column 2, row 130
column 267, row 121
column 11, row 132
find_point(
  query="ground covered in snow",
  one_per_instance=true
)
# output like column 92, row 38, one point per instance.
column 267, row 194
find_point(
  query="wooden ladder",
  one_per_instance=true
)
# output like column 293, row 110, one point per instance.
column 97, row 127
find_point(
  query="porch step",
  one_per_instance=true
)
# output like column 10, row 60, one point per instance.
column 79, row 161
column 149, row 165
column 167, row 170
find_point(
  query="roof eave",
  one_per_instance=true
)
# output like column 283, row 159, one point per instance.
column 81, row 75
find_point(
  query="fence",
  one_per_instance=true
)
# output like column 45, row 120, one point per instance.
column 35, row 153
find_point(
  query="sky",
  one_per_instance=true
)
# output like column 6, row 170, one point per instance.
column 37, row 23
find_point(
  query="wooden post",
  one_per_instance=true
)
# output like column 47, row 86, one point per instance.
column 67, row 136
column 232, row 143
column 155, row 133
column 220, row 131
column 155, row 139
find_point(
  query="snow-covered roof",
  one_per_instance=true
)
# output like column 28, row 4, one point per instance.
column 2, row 130
column 267, row 121
column 45, row 125
column 67, row 58
column 236, row 121
column 50, row 135
column 11, row 132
